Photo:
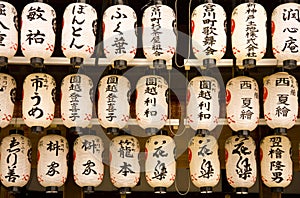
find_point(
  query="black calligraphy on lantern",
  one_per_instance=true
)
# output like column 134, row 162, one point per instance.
column 77, row 26
column 52, row 169
column 36, row 14
column 151, row 91
column 246, row 108
column 88, row 168
column 282, row 108
column 75, row 94
column 206, row 170
column 160, row 171
column 243, row 167
column 125, row 169
column 251, row 31
column 35, row 37
column 112, row 90
column 55, row 146
column 12, row 159
column 209, row 29
column 3, row 9
column 206, row 89
column 126, row 148
column 4, row 27
column 276, row 165
column 156, row 30
column 91, row 145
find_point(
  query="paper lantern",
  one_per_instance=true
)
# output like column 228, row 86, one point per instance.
column 79, row 31
column 285, row 34
column 160, row 164
column 249, row 33
column 76, row 100
column 119, row 34
column 52, row 166
column 280, row 100
column 203, row 103
column 242, row 103
column 209, row 33
column 9, row 30
column 276, row 162
column 88, row 167
column 38, row 30
column 159, row 37
column 124, row 163
column 240, row 163
column 113, row 102
column 8, row 88
column 15, row 160
column 38, row 100
column 151, row 103
column 204, row 162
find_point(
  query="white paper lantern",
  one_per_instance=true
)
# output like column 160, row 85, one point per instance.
column 280, row 100
column 38, row 30
column 113, row 102
column 209, row 32
column 285, row 33
column 151, row 103
column 249, row 33
column 88, row 167
column 8, row 29
column 76, row 100
column 124, row 163
column 119, row 33
column 8, row 88
column 203, row 103
column 159, row 38
column 242, row 99
column 52, row 166
column 204, row 162
column 15, row 160
column 160, row 164
column 38, row 100
column 240, row 163
column 79, row 30
column 276, row 162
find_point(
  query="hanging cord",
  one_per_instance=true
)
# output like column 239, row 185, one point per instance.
column 189, row 22
column 188, row 189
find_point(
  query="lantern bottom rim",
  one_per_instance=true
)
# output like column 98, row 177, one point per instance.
column 160, row 190
column 206, row 189
column 277, row 189
column 14, row 189
column 51, row 189
column 241, row 191
column 124, row 190
column 88, row 189
column 37, row 129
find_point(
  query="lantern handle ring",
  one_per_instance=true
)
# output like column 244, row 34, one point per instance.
column 188, row 189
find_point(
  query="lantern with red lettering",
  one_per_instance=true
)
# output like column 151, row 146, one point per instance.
column 276, row 162
column 76, row 100
column 8, row 88
column 88, row 167
column 38, row 32
column 15, row 160
column 52, row 166
column 240, row 162
column 280, row 100
column 209, row 33
column 124, row 163
column 285, row 34
column 204, row 162
column 249, row 33
column 38, row 101
column 113, row 102
column 242, row 103
column 159, row 36
column 160, row 164
column 9, row 32
column 119, row 34
column 203, row 103
column 79, row 31
column 151, row 103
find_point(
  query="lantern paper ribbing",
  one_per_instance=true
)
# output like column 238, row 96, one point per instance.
column 280, row 100
column 76, row 100
column 276, row 163
column 79, row 30
column 38, row 100
column 52, row 166
column 203, row 103
column 159, row 38
column 88, row 167
column 285, row 32
column 240, row 161
column 9, row 30
column 119, row 33
column 249, row 31
column 151, row 102
column 8, row 89
column 242, row 100
column 208, row 31
column 113, row 102
column 204, row 161
column 15, row 160
column 38, row 30
column 160, row 164
column 124, row 162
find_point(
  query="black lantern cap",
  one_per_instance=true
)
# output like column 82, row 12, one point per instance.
column 209, row 62
column 37, row 62
column 249, row 63
column 241, row 190
column 3, row 61
column 277, row 189
column 280, row 131
column 290, row 64
column 37, row 129
column 15, row 189
column 120, row 64
column 76, row 61
column 151, row 131
column 162, row 132
column 118, row 2
column 207, row 189
column 112, row 130
column 88, row 189
column 244, row 133
column 16, row 131
column 202, row 132
column 160, row 190
column 159, row 64
column 125, row 190
column 51, row 189
column 54, row 132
